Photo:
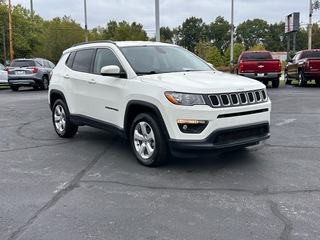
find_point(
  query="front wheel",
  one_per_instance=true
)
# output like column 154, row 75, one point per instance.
column 287, row 80
column 302, row 82
column 61, row 120
column 14, row 88
column 148, row 141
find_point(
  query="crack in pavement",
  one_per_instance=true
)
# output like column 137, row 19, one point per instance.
column 72, row 185
column 36, row 146
column 254, row 192
column 287, row 223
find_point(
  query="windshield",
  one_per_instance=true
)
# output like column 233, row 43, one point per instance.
column 162, row 59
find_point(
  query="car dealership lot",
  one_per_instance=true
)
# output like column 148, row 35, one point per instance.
column 91, row 186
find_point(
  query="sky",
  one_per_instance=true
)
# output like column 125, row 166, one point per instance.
column 172, row 12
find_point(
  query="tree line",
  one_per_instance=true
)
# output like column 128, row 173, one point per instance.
column 35, row 37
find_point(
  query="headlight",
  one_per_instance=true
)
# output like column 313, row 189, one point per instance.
column 186, row 99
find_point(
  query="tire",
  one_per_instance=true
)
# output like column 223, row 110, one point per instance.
column 14, row 88
column 302, row 82
column 45, row 83
column 265, row 82
column 148, row 141
column 287, row 81
column 275, row 83
column 317, row 81
column 61, row 120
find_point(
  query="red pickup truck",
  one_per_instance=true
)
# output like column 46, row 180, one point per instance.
column 305, row 66
column 259, row 65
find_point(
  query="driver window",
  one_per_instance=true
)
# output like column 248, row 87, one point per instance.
column 103, row 58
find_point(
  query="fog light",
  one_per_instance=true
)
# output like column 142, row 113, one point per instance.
column 191, row 126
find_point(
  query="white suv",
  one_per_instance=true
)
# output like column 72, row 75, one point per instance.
column 161, row 97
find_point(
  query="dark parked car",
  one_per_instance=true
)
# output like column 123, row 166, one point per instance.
column 32, row 72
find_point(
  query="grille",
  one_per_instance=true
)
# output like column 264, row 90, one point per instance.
column 238, row 98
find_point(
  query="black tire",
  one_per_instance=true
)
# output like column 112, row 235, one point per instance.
column 275, row 83
column 302, row 82
column 265, row 82
column 287, row 81
column 148, row 141
column 61, row 120
column 317, row 81
column 14, row 88
column 44, row 83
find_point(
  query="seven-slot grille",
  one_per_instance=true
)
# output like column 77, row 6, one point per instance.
column 238, row 98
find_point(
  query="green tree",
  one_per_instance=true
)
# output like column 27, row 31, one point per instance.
column 123, row 31
column 218, row 33
column 252, row 32
column 60, row 34
column 238, row 48
column 26, row 31
column 258, row 47
column 166, row 35
column 276, row 40
column 202, row 50
column 191, row 33
column 215, row 57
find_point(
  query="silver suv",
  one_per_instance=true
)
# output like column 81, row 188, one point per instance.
column 32, row 72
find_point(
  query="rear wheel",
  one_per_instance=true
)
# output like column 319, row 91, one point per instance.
column 148, row 141
column 275, row 83
column 45, row 83
column 302, row 82
column 61, row 120
column 317, row 82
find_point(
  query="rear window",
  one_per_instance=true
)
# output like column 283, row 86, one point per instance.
column 311, row 54
column 23, row 63
column 257, row 55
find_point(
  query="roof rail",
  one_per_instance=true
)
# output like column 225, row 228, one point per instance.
column 97, row 41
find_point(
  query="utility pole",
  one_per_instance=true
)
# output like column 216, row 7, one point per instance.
column 4, row 47
column 10, row 33
column 312, row 6
column 157, row 21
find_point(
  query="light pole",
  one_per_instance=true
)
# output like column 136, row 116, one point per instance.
column 231, row 32
column 10, row 32
column 85, row 21
column 157, row 21
column 310, row 25
column 31, row 8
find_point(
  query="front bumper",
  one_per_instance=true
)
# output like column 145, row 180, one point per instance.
column 262, row 76
column 221, row 140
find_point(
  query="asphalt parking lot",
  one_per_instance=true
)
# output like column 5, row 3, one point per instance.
column 91, row 187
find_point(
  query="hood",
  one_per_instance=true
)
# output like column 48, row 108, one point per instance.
column 203, row 82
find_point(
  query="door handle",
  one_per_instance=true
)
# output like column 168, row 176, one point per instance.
column 66, row 76
column 92, row 81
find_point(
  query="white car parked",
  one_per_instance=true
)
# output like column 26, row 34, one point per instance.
column 161, row 97
column 3, row 75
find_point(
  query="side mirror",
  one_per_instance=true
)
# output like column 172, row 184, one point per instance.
column 112, row 70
